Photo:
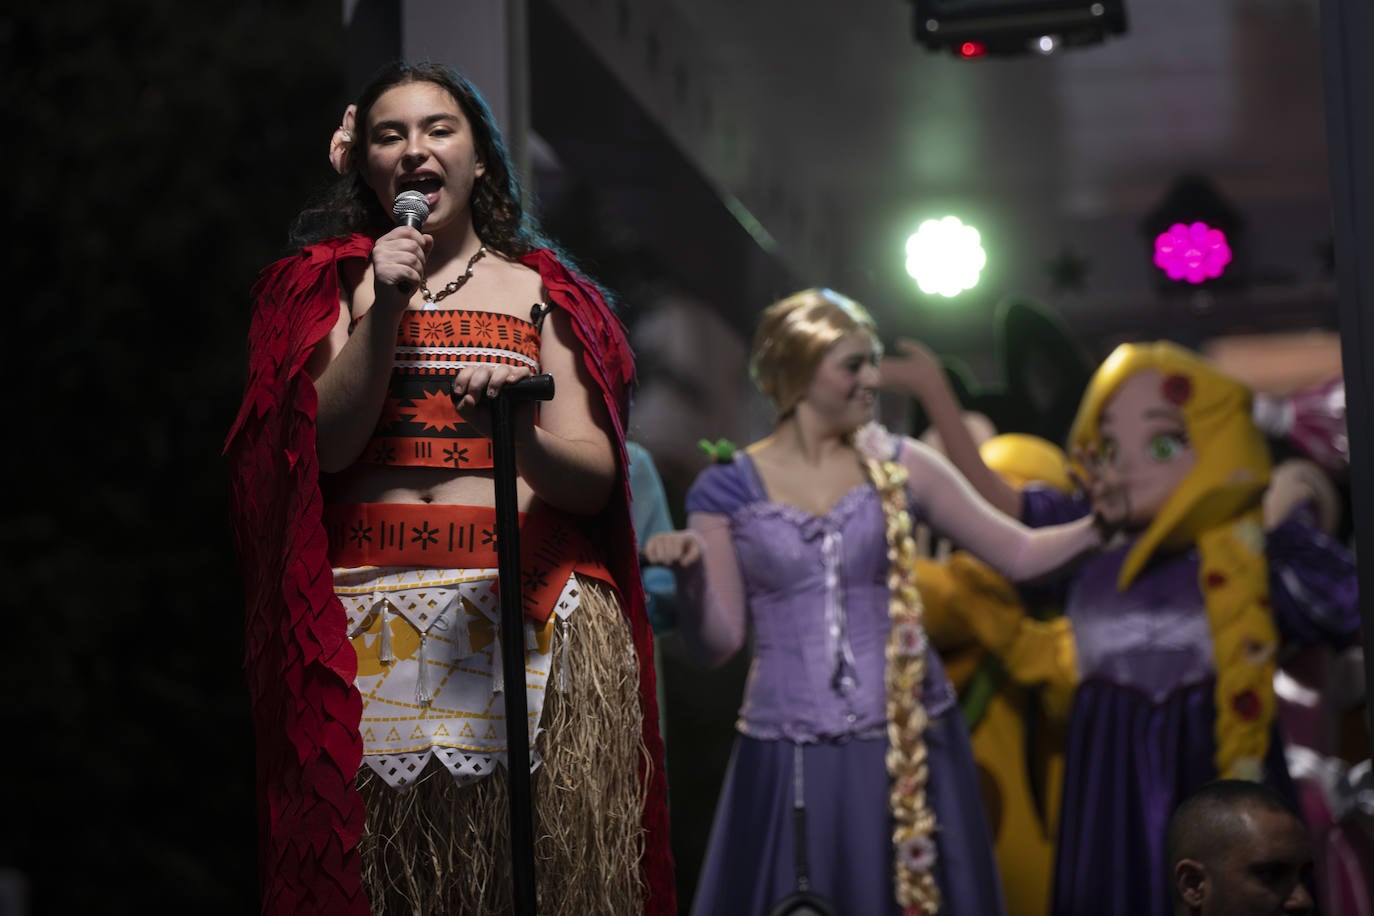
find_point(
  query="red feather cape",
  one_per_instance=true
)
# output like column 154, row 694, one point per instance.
column 299, row 663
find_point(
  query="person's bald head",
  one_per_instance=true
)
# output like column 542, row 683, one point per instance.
column 1235, row 848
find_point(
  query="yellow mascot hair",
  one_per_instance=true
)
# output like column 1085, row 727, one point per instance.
column 1217, row 509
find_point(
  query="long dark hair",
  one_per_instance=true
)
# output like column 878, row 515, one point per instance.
column 349, row 205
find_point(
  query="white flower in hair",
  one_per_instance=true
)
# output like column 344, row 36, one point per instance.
column 873, row 440
column 917, row 853
column 342, row 141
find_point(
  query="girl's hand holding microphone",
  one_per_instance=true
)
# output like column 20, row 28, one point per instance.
column 398, row 265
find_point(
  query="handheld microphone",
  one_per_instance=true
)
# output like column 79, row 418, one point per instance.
column 410, row 209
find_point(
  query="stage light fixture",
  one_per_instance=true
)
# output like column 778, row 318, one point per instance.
column 1194, row 252
column 945, row 256
column 1005, row 28
column 1196, row 237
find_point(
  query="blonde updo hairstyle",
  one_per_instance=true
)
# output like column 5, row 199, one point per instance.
column 792, row 338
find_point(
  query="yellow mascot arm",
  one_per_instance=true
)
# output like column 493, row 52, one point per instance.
column 1032, row 652
column 941, row 595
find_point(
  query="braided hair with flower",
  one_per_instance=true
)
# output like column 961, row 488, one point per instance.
column 913, row 830
column 792, row 337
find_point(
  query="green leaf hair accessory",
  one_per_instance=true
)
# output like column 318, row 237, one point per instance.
column 722, row 451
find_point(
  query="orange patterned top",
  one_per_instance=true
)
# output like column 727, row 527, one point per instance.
column 419, row 426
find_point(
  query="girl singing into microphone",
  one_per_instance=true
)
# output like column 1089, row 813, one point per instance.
column 363, row 508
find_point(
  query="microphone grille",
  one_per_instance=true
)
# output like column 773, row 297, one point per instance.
column 410, row 203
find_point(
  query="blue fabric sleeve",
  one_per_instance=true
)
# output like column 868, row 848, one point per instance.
column 648, row 501
column 649, row 507
column 660, row 594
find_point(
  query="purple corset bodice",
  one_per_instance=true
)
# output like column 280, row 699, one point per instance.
column 1313, row 586
column 1155, row 637
column 816, row 588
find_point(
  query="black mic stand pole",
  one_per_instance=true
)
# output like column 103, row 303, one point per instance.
column 534, row 388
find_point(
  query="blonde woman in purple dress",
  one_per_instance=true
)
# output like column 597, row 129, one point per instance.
column 802, row 542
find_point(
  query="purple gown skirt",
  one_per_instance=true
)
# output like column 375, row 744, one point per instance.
column 1128, row 764
column 749, row 862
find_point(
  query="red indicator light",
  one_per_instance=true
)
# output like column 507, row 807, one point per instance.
column 972, row 49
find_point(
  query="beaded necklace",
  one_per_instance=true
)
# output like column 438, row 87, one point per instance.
column 431, row 299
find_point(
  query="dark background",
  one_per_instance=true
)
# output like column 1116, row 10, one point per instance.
column 155, row 153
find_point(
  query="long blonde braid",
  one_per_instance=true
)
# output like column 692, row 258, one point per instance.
column 913, row 830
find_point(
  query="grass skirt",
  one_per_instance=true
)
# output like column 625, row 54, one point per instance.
column 441, row 849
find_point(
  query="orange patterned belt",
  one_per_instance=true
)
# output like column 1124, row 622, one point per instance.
column 553, row 545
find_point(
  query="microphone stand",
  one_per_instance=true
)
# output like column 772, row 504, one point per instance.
column 534, row 388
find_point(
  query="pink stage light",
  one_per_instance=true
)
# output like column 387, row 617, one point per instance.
column 1195, row 252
